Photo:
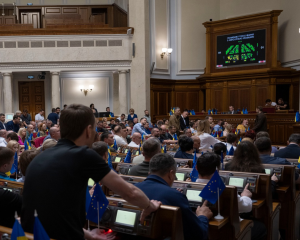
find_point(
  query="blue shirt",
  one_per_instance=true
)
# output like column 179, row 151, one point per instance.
column 11, row 126
column 147, row 130
column 139, row 128
column 53, row 117
column 47, row 137
column 217, row 128
column 5, row 177
column 131, row 118
column 156, row 188
column 184, row 155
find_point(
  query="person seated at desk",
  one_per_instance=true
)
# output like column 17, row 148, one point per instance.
column 136, row 140
column 203, row 131
column 131, row 115
column 139, row 127
column 218, row 127
column 22, row 136
column 265, row 134
column 14, row 124
column 119, row 132
column 231, row 110
column 219, row 149
column 92, row 106
column 6, row 162
column 187, row 132
column 166, row 137
column 231, row 141
column 243, row 127
column 100, row 128
column 147, row 130
column 108, row 138
column 111, row 114
column 158, row 184
column 196, row 145
column 150, row 148
column 293, row 148
column 250, row 134
column 206, row 166
column 281, row 105
column 269, row 103
column 228, row 129
column 54, row 133
column 102, row 149
column 25, row 159
column 186, row 145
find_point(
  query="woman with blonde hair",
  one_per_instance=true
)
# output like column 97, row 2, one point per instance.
column 22, row 136
column 131, row 115
column 49, row 143
column 42, row 129
column 228, row 129
column 203, row 132
column 14, row 145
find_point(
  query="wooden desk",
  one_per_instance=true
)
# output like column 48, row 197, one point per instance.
column 217, row 224
column 108, row 119
column 280, row 125
column 258, row 204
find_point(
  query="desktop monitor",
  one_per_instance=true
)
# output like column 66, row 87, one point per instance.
column 125, row 218
column 118, row 159
column 269, row 170
column 8, row 117
column 180, row 176
column 237, row 182
column 103, row 114
column 91, row 182
column 193, row 195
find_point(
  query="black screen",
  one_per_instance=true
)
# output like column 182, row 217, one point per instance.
column 241, row 48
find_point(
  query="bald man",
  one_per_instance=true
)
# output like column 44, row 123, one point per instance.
column 166, row 137
column 29, row 131
column 3, row 142
column 53, row 134
column 136, row 140
column 196, row 143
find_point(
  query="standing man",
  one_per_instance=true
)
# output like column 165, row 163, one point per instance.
column 231, row 110
column 40, row 116
column 58, row 111
column 175, row 120
column 110, row 113
column 53, row 117
column 2, row 121
column 14, row 124
column 184, row 120
column 26, row 117
column 139, row 127
column 260, row 123
column 148, row 118
column 72, row 155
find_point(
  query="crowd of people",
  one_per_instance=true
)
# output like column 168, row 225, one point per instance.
column 55, row 175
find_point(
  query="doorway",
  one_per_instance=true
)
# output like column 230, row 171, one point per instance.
column 31, row 17
column 32, row 97
column 283, row 91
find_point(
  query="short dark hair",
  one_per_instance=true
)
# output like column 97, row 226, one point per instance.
column 100, row 147
column 280, row 99
column 207, row 163
column 219, row 147
column 104, row 136
column 262, row 134
column 53, row 110
column 2, row 114
column 294, row 138
column 13, row 136
column 74, row 119
column 161, row 164
column 260, row 108
column 100, row 122
column 41, row 110
column 122, row 114
column 117, row 129
column 151, row 147
column 106, row 108
column 268, row 100
column 185, row 130
column 6, row 155
column 263, row 144
column 142, row 118
column 117, row 120
column 57, row 108
column 250, row 134
column 26, row 158
column 92, row 105
column 153, row 130
column 207, row 117
column 15, row 117
column 186, row 143
column 65, row 105
column 25, row 111
column 231, row 138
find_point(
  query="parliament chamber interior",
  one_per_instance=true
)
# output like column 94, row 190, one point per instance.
column 150, row 119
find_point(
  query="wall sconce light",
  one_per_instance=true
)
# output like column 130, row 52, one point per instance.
column 166, row 51
column 86, row 90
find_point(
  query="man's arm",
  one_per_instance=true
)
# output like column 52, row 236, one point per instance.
column 182, row 126
column 130, row 193
column 140, row 130
column 259, row 122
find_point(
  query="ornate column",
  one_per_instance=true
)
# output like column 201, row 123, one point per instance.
column 55, row 89
column 123, row 92
column 116, row 99
column 7, row 92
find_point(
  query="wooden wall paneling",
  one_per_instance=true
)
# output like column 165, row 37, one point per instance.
column 208, row 97
column 193, row 102
column 68, row 10
column 9, row 19
column 234, row 98
column 216, row 99
column 272, row 131
column 253, row 91
column 52, row 10
column 85, row 13
column 201, row 101
column 225, row 97
column 244, row 96
column 280, row 134
column 120, row 17
column 181, row 100
column 110, row 16
column 295, row 102
column 1, row 20
column 163, row 103
column 261, row 95
column 291, row 96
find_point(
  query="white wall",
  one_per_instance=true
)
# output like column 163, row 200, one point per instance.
column 99, row 96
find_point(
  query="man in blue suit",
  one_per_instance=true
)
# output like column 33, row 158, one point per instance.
column 292, row 150
column 2, row 121
column 158, row 186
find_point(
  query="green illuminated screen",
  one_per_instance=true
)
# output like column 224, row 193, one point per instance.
column 268, row 171
column 117, row 159
column 238, row 182
column 193, row 195
column 126, row 150
column 91, row 182
column 180, row 176
column 126, row 218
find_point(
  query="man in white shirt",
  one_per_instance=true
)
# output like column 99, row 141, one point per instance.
column 269, row 103
column 40, row 116
column 206, row 166
column 3, row 142
column 119, row 131
column 136, row 140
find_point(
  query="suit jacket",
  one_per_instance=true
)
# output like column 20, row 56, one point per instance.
column 156, row 188
column 2, row 126
column 291, row 151
column 260, row 123
column 175, row 121
column 234, row 112
column 184, row 125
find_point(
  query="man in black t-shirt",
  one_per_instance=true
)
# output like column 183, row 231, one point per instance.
column 56, row 180
column 281, row 105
